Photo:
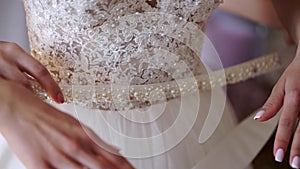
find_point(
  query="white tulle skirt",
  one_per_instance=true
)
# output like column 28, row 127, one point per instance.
column 170, row 135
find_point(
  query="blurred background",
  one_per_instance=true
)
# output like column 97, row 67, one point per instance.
column 12, row 23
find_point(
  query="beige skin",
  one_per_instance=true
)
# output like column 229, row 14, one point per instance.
column 260, row 11
column 42, row 136
column 286, row 92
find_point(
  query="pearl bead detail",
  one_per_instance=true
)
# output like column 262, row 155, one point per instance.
column 121, row 98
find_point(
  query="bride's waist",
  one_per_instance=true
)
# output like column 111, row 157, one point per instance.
column 122, row 96
column 81, row 88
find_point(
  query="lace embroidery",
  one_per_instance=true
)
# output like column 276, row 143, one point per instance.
column 118, row 97
column 87, row 45
column 70, row 34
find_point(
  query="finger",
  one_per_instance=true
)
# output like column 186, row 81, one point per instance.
column 99, row 143
column 37, row 164
column 82, row 149
column 42, row 166
column 31, row 66
column 91, row 160
column 295, row 149
column 41, row 74
column 117, row 160
column 56, row 158
column 110, row 152
column 88, row 155
column 10, row 72
column 59, row 160
column 273, row 103
column 286, row 124
column 73, row 146
column 80, row 128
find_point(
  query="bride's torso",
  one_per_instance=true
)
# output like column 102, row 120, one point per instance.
column 133, row 42
column 89, row 43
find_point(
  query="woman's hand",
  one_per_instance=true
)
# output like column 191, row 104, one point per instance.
column 14, row 62
column 45, row 138
column 286, row 95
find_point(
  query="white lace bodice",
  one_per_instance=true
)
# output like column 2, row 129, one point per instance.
column 88, row 45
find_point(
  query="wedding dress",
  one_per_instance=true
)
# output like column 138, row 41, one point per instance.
column 132, row 71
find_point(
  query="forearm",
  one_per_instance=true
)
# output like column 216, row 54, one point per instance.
column 259, row 11
column 289, row 14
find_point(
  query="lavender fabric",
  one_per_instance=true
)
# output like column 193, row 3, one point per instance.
column 237, row 40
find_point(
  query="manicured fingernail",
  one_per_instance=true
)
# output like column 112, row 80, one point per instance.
column 60, row 98
column 115, row 147
column 296, row 162
column 279, row 155
column 259, row 114
column 115, row 150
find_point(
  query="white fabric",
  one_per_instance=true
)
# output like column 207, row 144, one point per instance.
column 231, row 147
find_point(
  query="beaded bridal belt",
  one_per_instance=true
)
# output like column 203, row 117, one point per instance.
column 125, row 97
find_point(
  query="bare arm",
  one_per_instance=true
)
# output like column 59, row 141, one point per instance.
column 286, row 92
column 42, row 136
column 289, row 14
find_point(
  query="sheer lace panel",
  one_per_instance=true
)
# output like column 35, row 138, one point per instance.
column 133, row 42
column 73, row 35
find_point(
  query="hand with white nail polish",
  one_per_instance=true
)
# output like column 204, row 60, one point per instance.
column 286, row 93
column 285, row 96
